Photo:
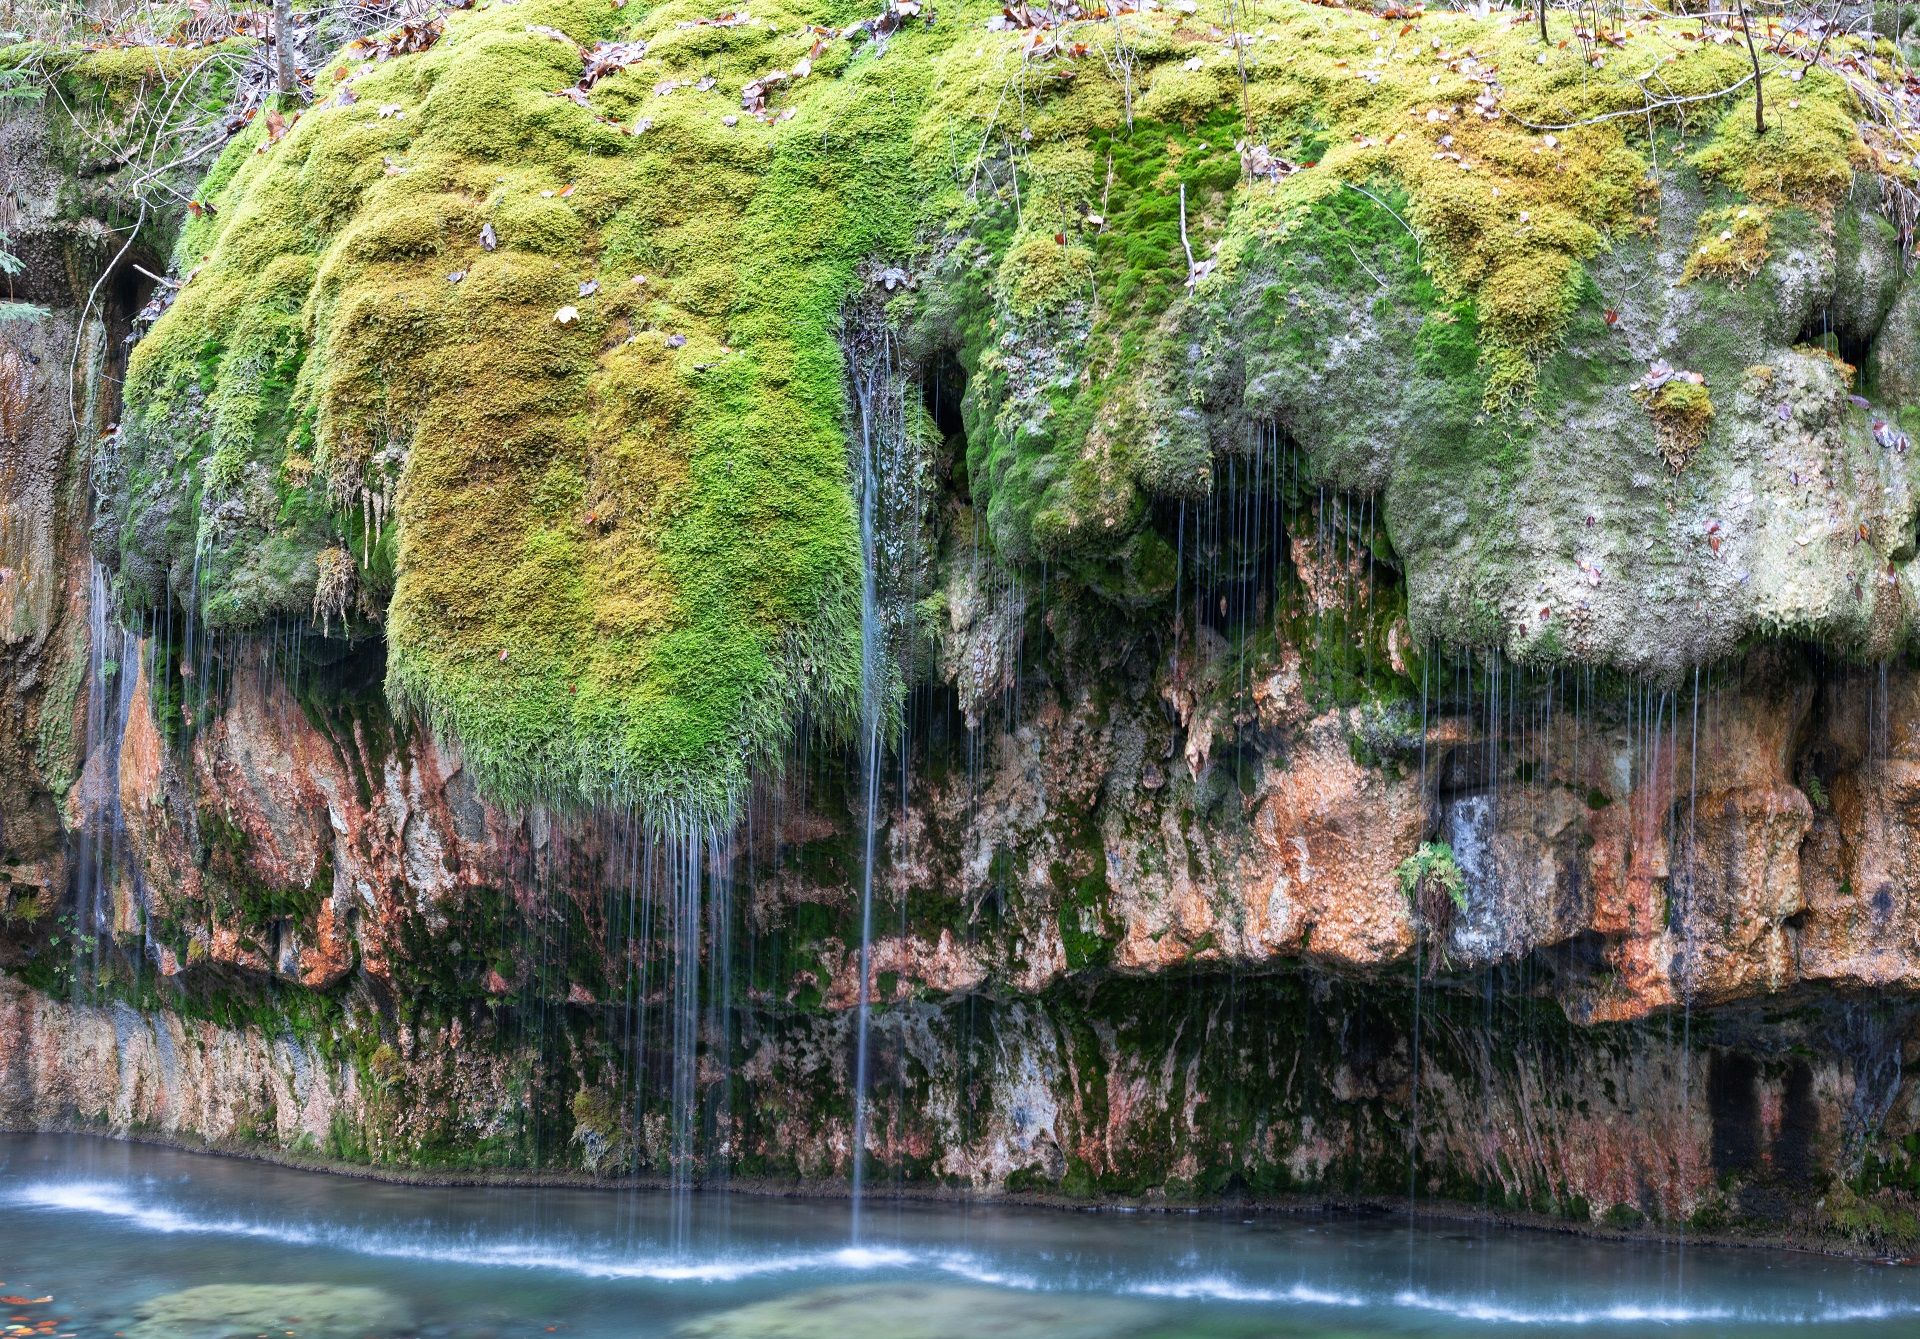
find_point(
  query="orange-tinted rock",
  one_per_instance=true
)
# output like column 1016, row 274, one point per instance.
column 1328, row 835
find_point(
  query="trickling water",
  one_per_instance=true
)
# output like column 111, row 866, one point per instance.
column 697, row 891
column 888, row 474
column 100, row 854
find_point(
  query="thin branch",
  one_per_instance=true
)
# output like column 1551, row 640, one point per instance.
column 73, row 363
column 1184, row 245
column 1396, row 217
column 1654, row 104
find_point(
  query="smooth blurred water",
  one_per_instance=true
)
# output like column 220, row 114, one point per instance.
column 106, row 1228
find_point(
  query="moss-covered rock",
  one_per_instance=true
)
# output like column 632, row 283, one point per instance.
column 544, row 335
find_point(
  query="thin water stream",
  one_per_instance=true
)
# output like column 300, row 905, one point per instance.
column 127, row 1240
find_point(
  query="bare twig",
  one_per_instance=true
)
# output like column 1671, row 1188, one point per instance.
column 1124, row 59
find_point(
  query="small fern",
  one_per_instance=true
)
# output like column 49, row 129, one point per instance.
column 1433, row 867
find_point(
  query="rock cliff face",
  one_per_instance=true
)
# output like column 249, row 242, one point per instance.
column 1419, row 701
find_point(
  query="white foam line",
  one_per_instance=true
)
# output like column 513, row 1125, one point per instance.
column 1494, row 1311
column 1214, row 1289
column 112, row 1201
column 969, row 1267
column 119, row 1201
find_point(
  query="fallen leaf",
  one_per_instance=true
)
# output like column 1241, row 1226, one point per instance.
column 589, row 287
column 675, row 341
column 488, row 241
column 567, row 315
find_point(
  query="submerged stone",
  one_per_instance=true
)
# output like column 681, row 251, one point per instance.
column 243, row 1310
column 927, row 1311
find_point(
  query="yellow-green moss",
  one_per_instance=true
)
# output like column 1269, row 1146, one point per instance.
column 1682, row 412
column 1516, row 165
column 1807, row 155
column 1041, row 272
column 1732, row 244
column 622, row 547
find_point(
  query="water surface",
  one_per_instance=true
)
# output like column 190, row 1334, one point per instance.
column 155, row 1244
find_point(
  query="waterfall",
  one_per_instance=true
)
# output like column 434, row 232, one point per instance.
column 696, row 893
column 100, row 847
column 888, row 473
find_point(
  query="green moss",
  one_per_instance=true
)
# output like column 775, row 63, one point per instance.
column 1732, row 245
column 1807, row 156
column 1042, row 273
column 115, row 119
column 1087, row 932
column 1681, row 411
column 252, row 902
column 615, row 555
column 621, row 567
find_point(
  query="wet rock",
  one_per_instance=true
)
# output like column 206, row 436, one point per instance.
column 1521, row 861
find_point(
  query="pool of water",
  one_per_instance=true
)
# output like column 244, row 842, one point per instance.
column 104, row 1238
